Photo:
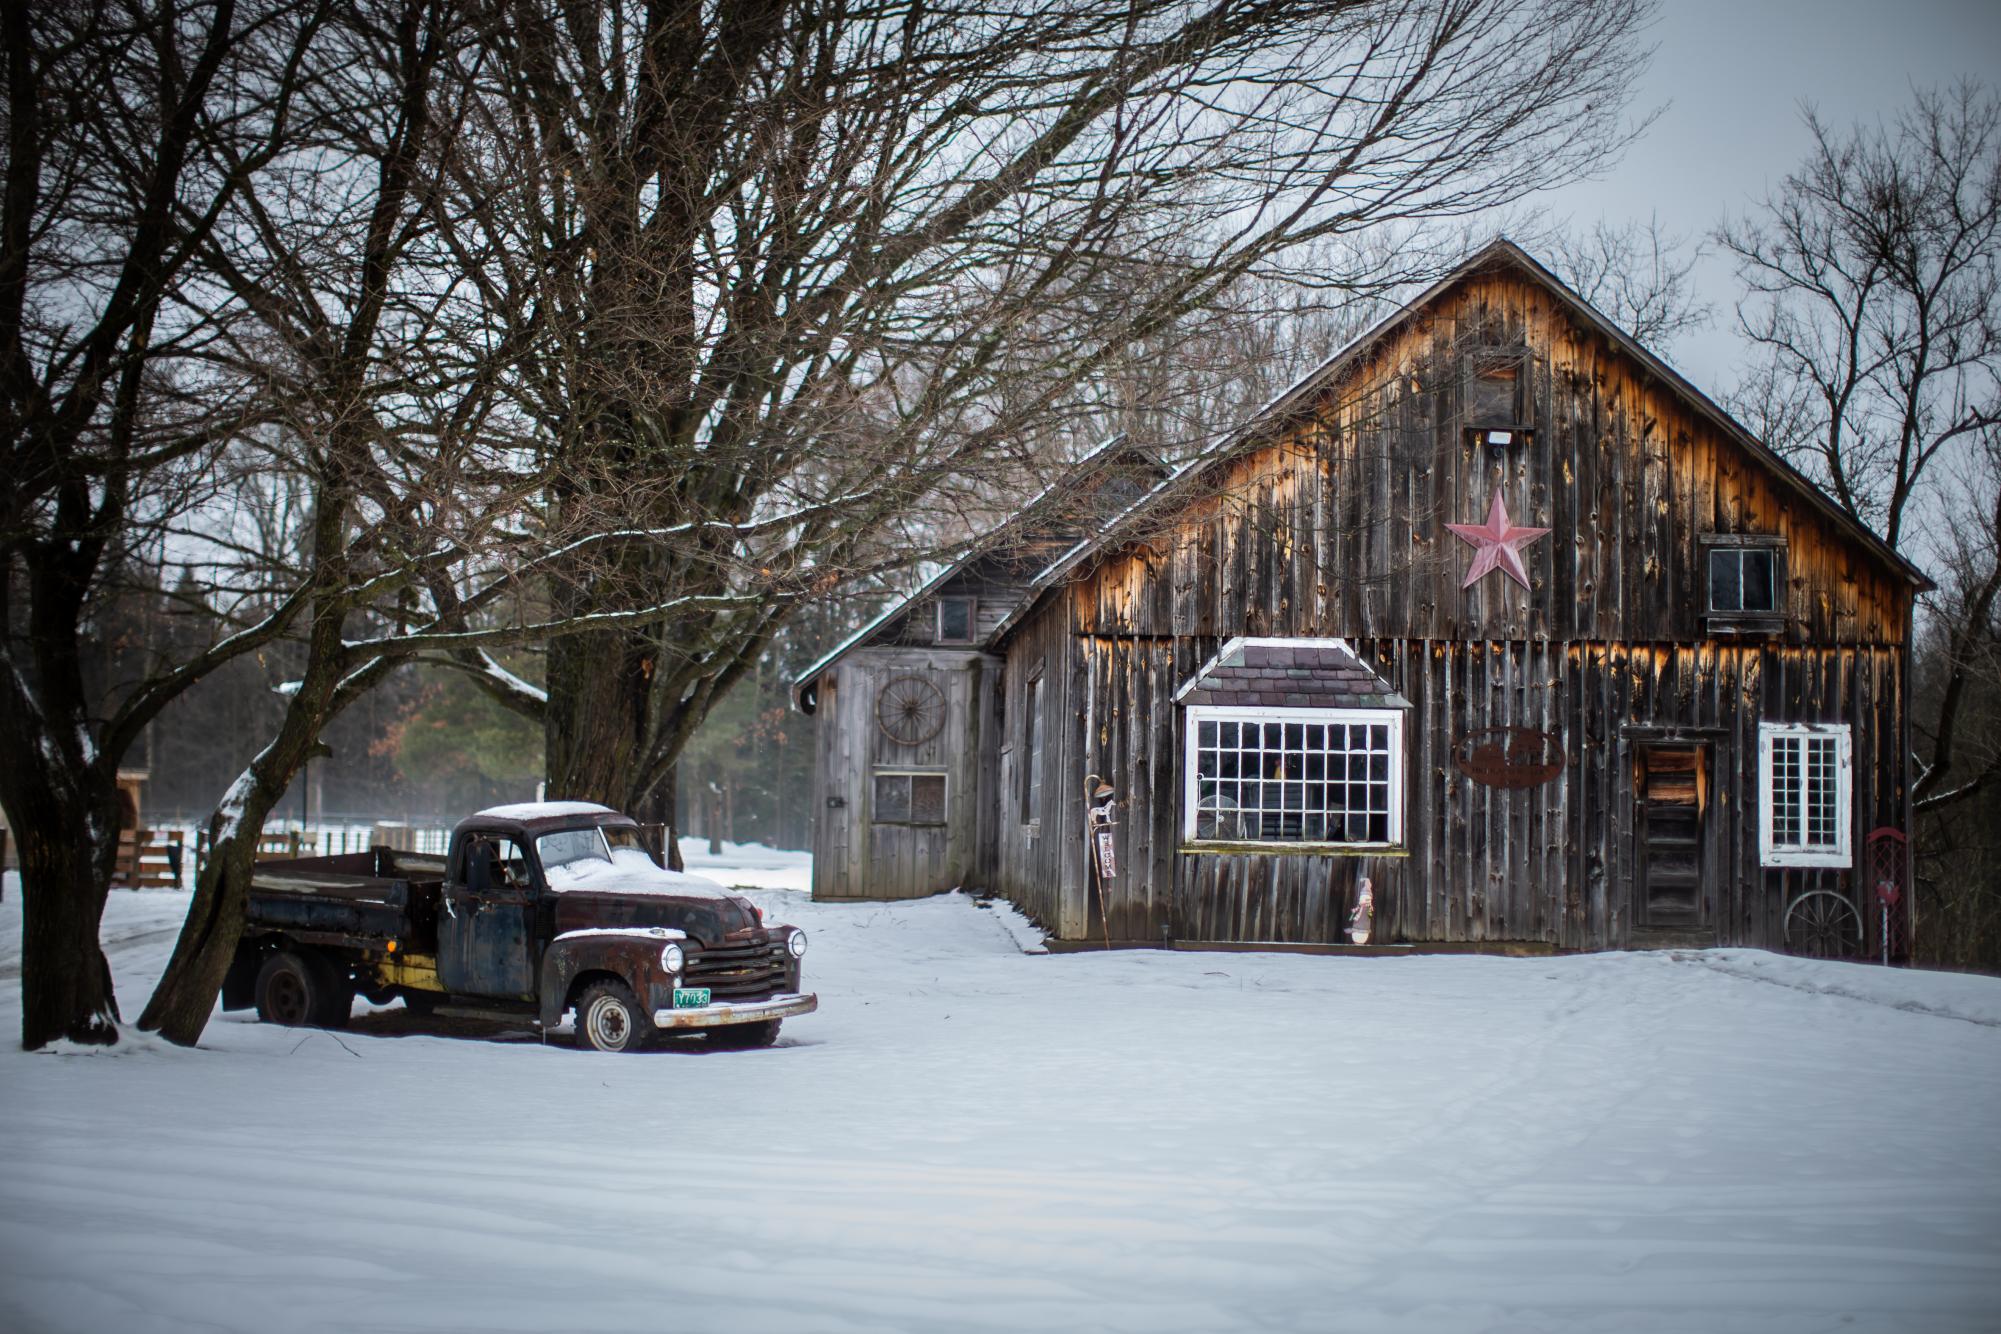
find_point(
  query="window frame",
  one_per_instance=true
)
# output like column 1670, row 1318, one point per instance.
column 972, row 619
column 881, row 771
column 1717, row 618
column 1770, row 851
column 1031, row 752
column 1197, row 714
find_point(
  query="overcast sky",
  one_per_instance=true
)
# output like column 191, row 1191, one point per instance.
column 1732, row 75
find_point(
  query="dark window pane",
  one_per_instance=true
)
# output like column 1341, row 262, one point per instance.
column 1230, row 734
column 927, row 799
column 1725, row 584
column 1493, row 399
column 955, row 620
column 1274, row 736
column 1757, row 588
column 1208, row 735
column 892, row 798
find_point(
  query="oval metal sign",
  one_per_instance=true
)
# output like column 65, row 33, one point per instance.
column 1509, row 756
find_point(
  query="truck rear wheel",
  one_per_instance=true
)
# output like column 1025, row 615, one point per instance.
column 609, row 1018
column 302, row 991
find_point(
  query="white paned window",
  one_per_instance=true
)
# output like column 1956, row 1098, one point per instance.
column 1804, row 779
column 1294, row 776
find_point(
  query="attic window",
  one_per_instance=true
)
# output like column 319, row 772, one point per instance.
column 1492, row 400
column 1746, row 577
column 1495, row 414
column 955, row 620
column 1743, row 579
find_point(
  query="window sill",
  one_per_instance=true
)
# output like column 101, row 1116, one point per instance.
column 1744, row 624
column 1228, row 847
column 1781, row 860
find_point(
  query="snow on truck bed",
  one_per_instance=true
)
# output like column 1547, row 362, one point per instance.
column 966, row 1137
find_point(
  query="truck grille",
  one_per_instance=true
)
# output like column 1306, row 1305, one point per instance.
column 738, row 972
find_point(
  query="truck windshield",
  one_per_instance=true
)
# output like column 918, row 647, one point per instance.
column 571, row 845
column 576, row 849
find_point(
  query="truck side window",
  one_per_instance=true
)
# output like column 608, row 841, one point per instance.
column 494, row 864
column 479, row 864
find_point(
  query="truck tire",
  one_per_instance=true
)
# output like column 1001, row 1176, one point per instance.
column 742, row 1037
column 302, row 990
column 609, row 1018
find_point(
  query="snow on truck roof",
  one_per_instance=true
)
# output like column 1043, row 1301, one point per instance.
column 543, row 810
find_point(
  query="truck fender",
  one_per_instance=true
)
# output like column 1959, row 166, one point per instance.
column 631, row 953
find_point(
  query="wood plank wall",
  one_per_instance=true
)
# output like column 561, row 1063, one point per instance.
column 1336, row 528
column 854, row 857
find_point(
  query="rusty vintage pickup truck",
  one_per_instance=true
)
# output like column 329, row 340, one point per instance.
column 537, row 911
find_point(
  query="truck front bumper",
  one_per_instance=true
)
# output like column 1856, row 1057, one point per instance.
column 736, row 1012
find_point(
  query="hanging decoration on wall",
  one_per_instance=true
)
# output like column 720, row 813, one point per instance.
column 910, row 710
column 1509, row 757
column 1497, row 543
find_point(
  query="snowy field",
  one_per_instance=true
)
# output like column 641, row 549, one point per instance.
column 970, row 1138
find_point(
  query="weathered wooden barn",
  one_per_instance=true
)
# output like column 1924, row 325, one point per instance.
column 1493, row 610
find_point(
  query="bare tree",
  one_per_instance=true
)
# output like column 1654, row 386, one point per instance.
column 1875, row 273
column 819, row 277
column 129, row 126
column 1638, row 275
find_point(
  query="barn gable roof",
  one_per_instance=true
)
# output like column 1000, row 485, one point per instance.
column 1296, row 401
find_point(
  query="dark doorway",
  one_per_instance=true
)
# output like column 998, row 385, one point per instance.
column 1671, row 785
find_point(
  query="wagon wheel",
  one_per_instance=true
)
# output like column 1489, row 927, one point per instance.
column 1822, row 924
column 910, row 710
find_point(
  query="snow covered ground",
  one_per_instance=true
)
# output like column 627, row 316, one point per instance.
column 969, row 1138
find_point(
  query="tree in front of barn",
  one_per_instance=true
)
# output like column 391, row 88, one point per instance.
column 813, row 282
column 1874, row 276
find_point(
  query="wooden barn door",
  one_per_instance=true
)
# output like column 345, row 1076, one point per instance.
column 1671, row 784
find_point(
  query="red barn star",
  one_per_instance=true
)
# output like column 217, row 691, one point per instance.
column 1498, row 545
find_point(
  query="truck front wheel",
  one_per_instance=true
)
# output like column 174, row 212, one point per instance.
column 300, row 991
column 609, row 1018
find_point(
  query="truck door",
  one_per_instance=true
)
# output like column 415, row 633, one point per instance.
column 486, row 928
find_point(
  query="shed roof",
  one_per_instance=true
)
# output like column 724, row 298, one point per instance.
column 1289, row 674
column 1047, row 505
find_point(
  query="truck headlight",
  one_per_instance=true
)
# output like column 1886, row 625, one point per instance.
column 671, row 958
column 796, row 942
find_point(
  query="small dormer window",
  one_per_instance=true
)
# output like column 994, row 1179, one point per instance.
column 955, row 620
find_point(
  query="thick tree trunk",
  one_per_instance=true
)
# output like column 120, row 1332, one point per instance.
column 64, row 820
column 595, row 724
column 66, row 987
column 185, row 998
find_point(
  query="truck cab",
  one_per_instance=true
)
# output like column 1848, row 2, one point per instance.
column 541, row 909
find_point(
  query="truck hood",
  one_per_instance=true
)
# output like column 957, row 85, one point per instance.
column 632, row 891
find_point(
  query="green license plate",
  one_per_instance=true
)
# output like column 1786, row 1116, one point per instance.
column 690, row 998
